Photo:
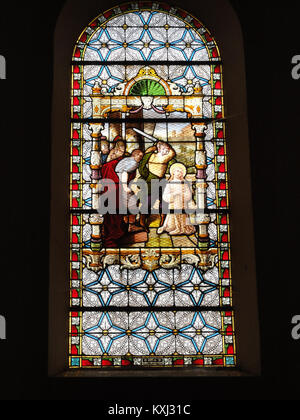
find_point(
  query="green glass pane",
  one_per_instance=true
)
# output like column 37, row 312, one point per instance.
column 147, row 88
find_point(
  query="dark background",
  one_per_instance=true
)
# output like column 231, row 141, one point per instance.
column 271, row 39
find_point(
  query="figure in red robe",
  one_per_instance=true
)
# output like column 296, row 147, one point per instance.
column 114, row 226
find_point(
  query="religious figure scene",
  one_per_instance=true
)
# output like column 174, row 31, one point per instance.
column 160, row 151
column 149, row 201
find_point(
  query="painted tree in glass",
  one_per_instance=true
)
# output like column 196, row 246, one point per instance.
column 150, row 286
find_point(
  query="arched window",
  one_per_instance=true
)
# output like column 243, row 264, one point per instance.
column 152, row 289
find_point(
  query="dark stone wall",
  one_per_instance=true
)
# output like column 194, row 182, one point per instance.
column 26, row 41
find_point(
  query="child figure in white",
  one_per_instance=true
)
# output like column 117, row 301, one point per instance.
column 179, row 196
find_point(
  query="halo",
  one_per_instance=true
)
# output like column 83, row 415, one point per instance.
column 178, row 166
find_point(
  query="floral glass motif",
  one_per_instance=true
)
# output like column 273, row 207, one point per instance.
column 160, row 295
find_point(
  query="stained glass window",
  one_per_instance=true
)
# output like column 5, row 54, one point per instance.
column 149, row 289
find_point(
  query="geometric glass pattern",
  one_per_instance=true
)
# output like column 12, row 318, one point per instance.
column 158, row 294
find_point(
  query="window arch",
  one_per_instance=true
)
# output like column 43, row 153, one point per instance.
column 153, row 301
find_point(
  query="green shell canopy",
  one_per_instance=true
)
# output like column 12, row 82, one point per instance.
column 147, row 87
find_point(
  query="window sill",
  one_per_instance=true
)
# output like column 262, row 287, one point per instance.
column 154, row 373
